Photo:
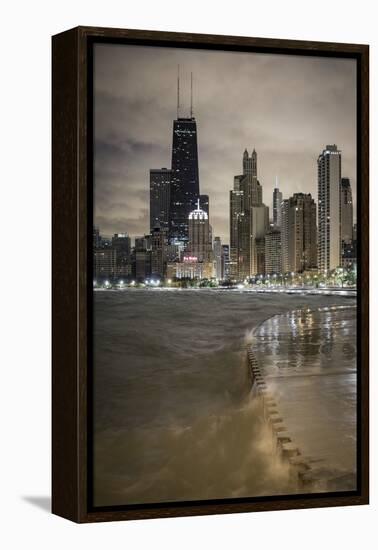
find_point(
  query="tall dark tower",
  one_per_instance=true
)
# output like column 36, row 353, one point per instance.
column 185, row 177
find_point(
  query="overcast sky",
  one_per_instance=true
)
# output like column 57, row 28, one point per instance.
column 286, row 107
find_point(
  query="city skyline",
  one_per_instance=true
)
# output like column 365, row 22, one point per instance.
column 316, row 97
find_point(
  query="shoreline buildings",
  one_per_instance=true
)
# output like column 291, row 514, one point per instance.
column 295, row 242
column 249, row 221
column 303, row 236
column 179, row 213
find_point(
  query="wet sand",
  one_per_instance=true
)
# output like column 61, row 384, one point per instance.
column 308, row 360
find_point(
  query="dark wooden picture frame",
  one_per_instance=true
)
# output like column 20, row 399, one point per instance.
column 71, row 294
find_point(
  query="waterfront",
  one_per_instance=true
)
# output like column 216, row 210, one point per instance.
column 307, row 359
column 175, row 418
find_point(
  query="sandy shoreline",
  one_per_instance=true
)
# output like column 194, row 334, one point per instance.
column 306, row 362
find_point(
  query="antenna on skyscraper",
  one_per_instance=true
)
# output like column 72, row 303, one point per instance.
column 191, row 95
column 277, row 182
column 178, row 90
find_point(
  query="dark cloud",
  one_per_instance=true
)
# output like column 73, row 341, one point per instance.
column 287, row 107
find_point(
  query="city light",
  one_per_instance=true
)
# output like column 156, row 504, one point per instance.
column 195, row 259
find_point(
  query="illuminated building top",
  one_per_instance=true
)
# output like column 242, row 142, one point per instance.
column 198, row 213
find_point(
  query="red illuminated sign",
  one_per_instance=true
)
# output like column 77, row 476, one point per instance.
column 190, row 258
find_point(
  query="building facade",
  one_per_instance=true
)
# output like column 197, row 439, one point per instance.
column 217, row 251
column 346, row 211
column 199, row 235
column 142, row 258
column 121, row 243
column 258, row 227
column 226, row 271
column 185, row 178
column 273, row 252
column 299, row 233
column 190, row 268
column 158, row 252
column 329, row 222
column 349, row 255
column 160, row 196
column 249, row 220
column 104, row 264
column 236, row 222
column 277, row 202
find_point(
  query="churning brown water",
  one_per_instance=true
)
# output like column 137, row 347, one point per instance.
column 175, row 417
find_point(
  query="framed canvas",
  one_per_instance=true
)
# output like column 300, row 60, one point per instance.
column 210, row 274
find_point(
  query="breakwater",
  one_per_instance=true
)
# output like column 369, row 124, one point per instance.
column 303, row 369
column 301, row 467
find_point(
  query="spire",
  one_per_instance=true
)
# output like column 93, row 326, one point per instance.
column 277, row 186
column 198, row 213
column 245, row 154
column 178, row 90
column 191, row 95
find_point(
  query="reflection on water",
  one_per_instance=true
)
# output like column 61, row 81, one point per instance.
column 175, row 418
column 308, row 359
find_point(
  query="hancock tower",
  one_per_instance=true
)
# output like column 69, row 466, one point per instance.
column 185, row 189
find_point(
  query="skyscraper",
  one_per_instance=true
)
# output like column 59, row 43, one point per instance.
column 250, row 164
column 217, row 249
column 236, row 213
column 346, row 211
column 226, row 275
column 178, row 187
column 185, row 178
column 285, row 241
column 199, row 235
column 248, row 182
column 160, row 193
column 329, row 180
column 298, row 233
column 249, row 221
column 121, row 242
column 277, row 200
column 273, row 252
column 104, row 263
column 158, row 252
column 142, row 258
column 259, row 225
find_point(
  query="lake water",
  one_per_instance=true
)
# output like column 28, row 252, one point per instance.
column 175, row 417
